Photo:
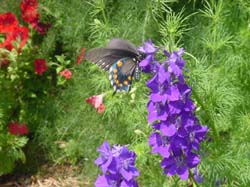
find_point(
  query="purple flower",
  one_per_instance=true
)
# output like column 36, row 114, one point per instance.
column 148, row 64
column 106, row 160
column 198, row 176
column 148, row 48
column 179, row 163
column 177, row 133
column 108, row 181
column 131, row 183
column 127, row 164
column 158, row 111
column 118, row 166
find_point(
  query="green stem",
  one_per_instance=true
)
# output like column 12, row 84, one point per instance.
column 191, row 177
column 103, row 13
column 144, row 25
column 212, row 125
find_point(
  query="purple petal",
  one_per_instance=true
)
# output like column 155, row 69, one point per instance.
column 175, row 107
column 153, row 83
column 145, row 62
column 164, row 151
column 126, row 174
column 157, row 97
column 173, row 93
column 192, row 160
column 183, row 172
column 148, row 47
column 168, row 162
column 101, row 181
column 171, row 171
column 168, row 130
column 163, row 75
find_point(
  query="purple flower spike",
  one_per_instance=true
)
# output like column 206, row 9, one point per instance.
column 118, row 167
column 177, row 133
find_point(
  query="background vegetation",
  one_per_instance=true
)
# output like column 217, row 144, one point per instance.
column 216, row 39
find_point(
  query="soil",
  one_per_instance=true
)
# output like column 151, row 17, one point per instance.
column 48, row 176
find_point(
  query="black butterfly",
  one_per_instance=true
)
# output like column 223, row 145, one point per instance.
column 121, row 59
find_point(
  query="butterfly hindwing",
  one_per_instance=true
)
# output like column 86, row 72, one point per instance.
column 119, row 80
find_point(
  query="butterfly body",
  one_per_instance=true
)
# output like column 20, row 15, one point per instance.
column 121, row 59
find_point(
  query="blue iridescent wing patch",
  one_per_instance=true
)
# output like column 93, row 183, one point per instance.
column 121, row 74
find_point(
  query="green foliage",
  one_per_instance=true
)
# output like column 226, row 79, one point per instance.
column 10, row 151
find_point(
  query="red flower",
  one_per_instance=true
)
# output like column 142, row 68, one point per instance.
column 41, row 28
column 20, row 32
column 66, row 73
column 40, row 66
column 96, row 102
column 28, row 5
column 89, row 100
column 101, row 108
column 4, row 63
column 18, row 129
column 30, row 15
column 29, row 11
column 8, row 22
column 81, row 56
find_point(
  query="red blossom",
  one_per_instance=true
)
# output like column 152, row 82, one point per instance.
column 29, row 11
column 81, row 56
column 18, row 129
column 40, row 66
column 9, row 26
column 101, row 108
column 89, row 100
column 41, row 28
column 27, row 5
column 96, row 102
column 8, row 22
column 20, row 33
column 66, row 73
column 30, row 15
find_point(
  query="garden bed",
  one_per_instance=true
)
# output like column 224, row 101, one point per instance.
column 48, row 176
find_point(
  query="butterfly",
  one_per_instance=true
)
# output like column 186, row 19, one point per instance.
column 121, row 59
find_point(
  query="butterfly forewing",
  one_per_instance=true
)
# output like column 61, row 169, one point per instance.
column 104, row 58
column 117, row 43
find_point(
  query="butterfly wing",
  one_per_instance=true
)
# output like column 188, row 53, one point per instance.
column 121, row 73
column 118, row 57
column 117, row 43
column 105, row 57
